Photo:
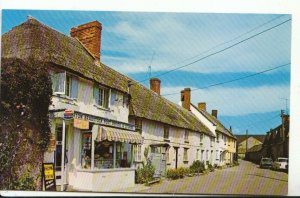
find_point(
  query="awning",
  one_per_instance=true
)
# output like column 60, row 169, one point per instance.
column 118, row 135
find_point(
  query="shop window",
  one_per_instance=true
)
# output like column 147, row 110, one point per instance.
column 104, row 154
column 101, row 96
column 166, row 132
column 86, row 150
column 185, row 154
column 186, row 136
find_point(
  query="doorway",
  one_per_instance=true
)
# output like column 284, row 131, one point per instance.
column 176, row 157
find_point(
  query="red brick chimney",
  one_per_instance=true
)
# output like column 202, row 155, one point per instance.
column 186, row 98
column 214, row 113
column 89, row 35
column 155, row 85
column 202, row 106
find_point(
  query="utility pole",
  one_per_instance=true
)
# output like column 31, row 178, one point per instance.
column 286, row 105
column 246, row 143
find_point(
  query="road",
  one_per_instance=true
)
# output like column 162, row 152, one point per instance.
column 247, row 179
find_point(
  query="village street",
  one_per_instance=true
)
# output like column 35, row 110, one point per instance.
column 247, row 178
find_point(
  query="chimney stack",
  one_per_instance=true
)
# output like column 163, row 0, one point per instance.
column 155, row 85
column 89, row 35
column 186, row 98
column 214, row 113
column 202, row 106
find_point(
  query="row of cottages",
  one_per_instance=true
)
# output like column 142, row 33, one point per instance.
column 114, row 119
column 224, row 142
column 276, row 142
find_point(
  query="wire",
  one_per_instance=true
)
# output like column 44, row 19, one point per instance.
column 233, row 80
column 222, row 50
column 235, row 38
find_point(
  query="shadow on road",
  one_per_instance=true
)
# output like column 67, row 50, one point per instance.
column 268, row 177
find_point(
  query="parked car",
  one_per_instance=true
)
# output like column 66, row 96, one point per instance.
column 281, row 163
column 265, row 162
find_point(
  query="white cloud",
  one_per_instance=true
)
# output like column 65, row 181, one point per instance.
column 236, row 101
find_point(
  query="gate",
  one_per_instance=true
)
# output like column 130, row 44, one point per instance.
column 159, row 163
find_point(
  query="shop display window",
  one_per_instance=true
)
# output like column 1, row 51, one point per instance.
column 86, row 150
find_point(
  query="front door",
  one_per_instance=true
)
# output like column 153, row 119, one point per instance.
column 176, row 156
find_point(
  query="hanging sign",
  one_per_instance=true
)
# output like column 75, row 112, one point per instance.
column 81, row 124
column 68, row 114
column 49, row 177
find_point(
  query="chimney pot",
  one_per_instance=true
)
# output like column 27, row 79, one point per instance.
column 202, row 106
column 89, row 35
column 155, row 85
column 186, row 98
column 214, row 113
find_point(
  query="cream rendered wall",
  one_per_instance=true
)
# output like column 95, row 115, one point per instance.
column 85, row 103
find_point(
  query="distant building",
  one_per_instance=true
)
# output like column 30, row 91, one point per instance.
column 249, row 141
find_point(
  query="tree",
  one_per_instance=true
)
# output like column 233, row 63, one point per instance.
column 26, row 91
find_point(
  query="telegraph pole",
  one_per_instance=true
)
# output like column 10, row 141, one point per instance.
column 246, row 143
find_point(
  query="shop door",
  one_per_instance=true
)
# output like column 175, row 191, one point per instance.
column 58, row 153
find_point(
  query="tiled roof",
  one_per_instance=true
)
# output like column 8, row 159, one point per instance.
column 33, row 39
column 215, row 121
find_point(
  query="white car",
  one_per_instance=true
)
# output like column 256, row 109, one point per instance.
column 281, row 163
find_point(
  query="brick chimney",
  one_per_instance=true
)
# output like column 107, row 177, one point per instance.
column 89, row 35
column 155, row 85
column 186, row 98
column 202, row 106
column 214, row 113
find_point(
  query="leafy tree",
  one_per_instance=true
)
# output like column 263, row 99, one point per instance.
column 24, row 122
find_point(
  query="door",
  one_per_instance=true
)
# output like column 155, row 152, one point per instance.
column 158, row 163
column 58, row 153
column 176, row 156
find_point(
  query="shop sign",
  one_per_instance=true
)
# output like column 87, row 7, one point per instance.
column 68, row 114
column 49, row 177
column 52, row 143
column 81, row 124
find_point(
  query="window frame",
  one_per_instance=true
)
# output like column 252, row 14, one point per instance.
column 166, row 132
column 186, row 136
column 185, row 155
column 104, row 94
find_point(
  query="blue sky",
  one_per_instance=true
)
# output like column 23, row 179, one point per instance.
column 130, row 39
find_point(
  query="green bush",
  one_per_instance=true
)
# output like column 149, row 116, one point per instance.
column 210, row 167
column 25, row 182
column 145, row 174
column 197, row 167
column 172, row 173
column 236, row 163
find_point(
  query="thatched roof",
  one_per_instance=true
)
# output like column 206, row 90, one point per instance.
column 33, row 39
column 219, row 126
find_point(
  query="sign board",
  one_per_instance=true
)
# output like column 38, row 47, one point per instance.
column 68, row 114
column 49, row 177
column 81, row 124
column 52, row 143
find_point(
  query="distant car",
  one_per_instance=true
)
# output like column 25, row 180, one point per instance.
column 265, row 162
column 281, row 163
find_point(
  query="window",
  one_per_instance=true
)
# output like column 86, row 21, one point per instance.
column 201, row 138
column 185, row 154
column 186, row 136
column 137, row 150
column 138, row 125
column 101, row 96
column 218, row 135
column 166, row 132
column 197, row 154
column 63, row 83
column 217, row 154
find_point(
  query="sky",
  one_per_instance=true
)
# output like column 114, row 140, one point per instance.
column 195, row 50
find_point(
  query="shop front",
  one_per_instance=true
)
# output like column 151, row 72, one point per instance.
column 98, row 153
